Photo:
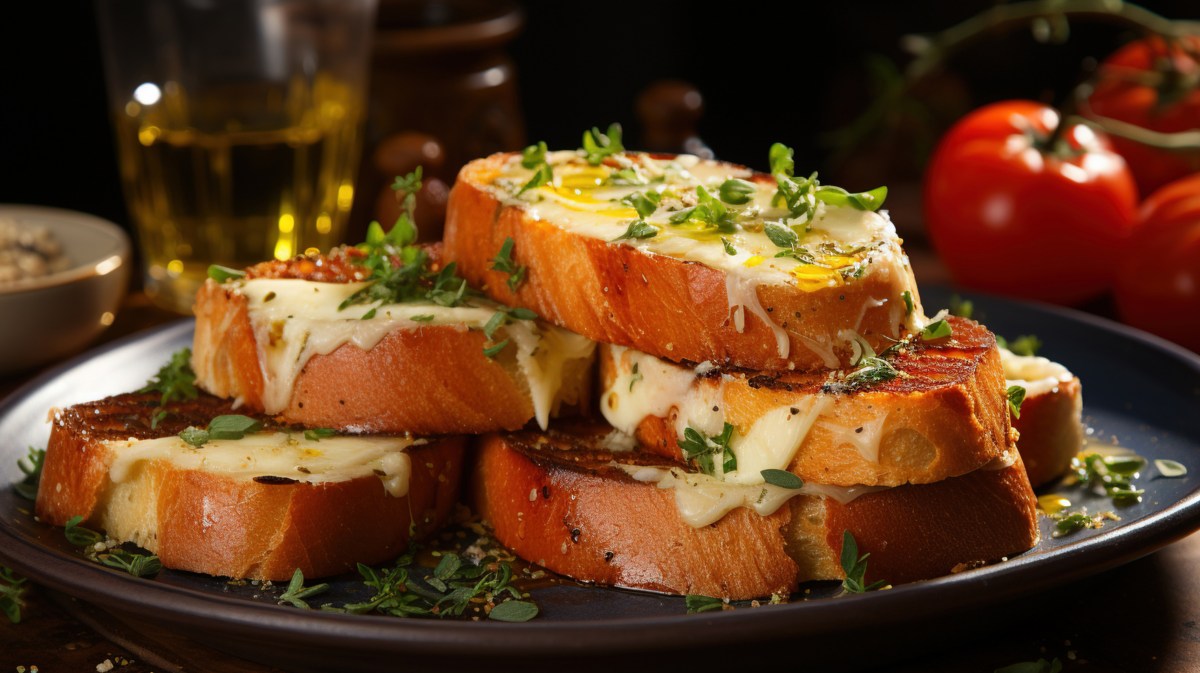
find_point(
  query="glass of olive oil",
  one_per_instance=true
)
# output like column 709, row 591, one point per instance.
column 238, row 124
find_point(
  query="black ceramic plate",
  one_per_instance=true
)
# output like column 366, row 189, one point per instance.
column 1138, row 389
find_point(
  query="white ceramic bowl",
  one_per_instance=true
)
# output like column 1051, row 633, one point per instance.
column 56, row 315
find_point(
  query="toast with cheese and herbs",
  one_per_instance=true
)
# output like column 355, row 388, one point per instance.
column 382, row 342
column 929, row 408
column 683, row 258
column 1049, row 419
column 258, row 503
column 579, row 502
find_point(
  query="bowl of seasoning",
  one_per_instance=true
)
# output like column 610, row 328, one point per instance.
column 63, row 275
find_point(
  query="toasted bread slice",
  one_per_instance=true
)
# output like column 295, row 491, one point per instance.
column 680, row 294
column 563, row 500
column 258, row 507
column 944, row 414
column 279, row 342
column 1051, row 417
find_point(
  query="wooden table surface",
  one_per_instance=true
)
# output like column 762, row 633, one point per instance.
column 1143, row 616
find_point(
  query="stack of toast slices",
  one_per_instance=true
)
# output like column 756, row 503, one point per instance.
column 646, row 371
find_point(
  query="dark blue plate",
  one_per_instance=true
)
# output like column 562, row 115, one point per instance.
column 1138, row 389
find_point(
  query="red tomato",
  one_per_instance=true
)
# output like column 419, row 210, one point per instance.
column 1127, row 91
column 1158, row 280
column 1009, row 217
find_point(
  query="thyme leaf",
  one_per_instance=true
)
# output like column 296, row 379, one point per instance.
column 855, row 567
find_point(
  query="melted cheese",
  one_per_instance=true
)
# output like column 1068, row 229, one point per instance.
column 702, row 500
column 1037, row 375
column 294, row 320
column 274, row 454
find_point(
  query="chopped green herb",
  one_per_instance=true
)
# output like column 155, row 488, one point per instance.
column 223, row 273
column 836, row 196
column 701, row 448
column 782, row 479
column 138, row 565
column 1071, row 522
column 871, row 370
column 296, row 592
column 12, row 592
column 1112, row 474
column 505, row 315
column 514, row 611
column 80, row 536
column 937, row 330
column 696, row 603
column 1027, row 344
column 503, row 262
column 175, row 381
column 708, row 211
column 494, row 350
column 544, row 175
column 600, row 146
column 628, row 177
column 638, row 229
column 534, row 155
column 855, row 567
column 736, row 192
column 423, row 317
column 317, row 434
column 644, row 203
column 197, row 437
column 1016, row 395
column 226, row 426
column 800, row 196
column 729, row 249
column 908, row 302
column 31, row 465
column 369, row 314
column 781, row 236
column 1170, row 468
column 635, row 377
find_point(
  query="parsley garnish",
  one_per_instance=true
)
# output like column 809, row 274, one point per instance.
column 638, row 229
column 635, row 377
column 317, row 434
column 855, row 567
column 296, row 592
column 701, row 448
column 937, row 330
column 226, row 426
column 534, row 155
column 645, row 203
column 12, row 590
column 31, row 465
column 1016, row 395
column 175, row 380
column 503, row 262
column 708, row 211
column 735, row 191
column 697, row 603
column 544, row 175
column 223, row 273
column 600, row 146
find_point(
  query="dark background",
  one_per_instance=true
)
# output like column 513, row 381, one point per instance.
column 767, row 74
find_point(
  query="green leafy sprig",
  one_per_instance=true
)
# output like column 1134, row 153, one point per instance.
column 703, row 448
column 599, row 146
column 92, row 543
column 225, row 426
column 801, row 195
column 31, row 466
column 697, row 603
column 1016, row 396
column 296, row 592
column 709, row 212
column 855, row 567
column 12, row 594
column 503, row 262
column 175, row 381
column 1113, row 475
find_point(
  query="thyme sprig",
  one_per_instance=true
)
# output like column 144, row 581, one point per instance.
column 1113, row 475
column 296, row 592
column 225, row 426
column 855, row 567
column 800, row 196
column 12, row 594
column 97, row 549
column 503, row 262
column 703, row 448
column 31, row 465
column 176, row 381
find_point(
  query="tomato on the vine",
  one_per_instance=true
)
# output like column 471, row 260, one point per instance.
column 1158, row 280
column 1013, row 209
column 1154, row 87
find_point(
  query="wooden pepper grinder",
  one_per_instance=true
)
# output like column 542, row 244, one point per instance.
column 400, row 154
column 669, row 111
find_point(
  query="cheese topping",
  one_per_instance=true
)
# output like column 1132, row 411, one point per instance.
column 274, row 454
column 1037, row 375
column 294, row 320
column 838, row 246
column 703, row 500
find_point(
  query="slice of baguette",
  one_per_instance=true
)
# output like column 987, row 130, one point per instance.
column 238, row 508
column 560, row 499
column 944, row 415
column 1051, row 420
column 278, row 343
column 679, row 295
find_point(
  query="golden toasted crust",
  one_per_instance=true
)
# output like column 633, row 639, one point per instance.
column 680, row 310
column 554, row 499
column 218, row 525
column 945, row 415
column 428, row 379
column 1051, row 433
